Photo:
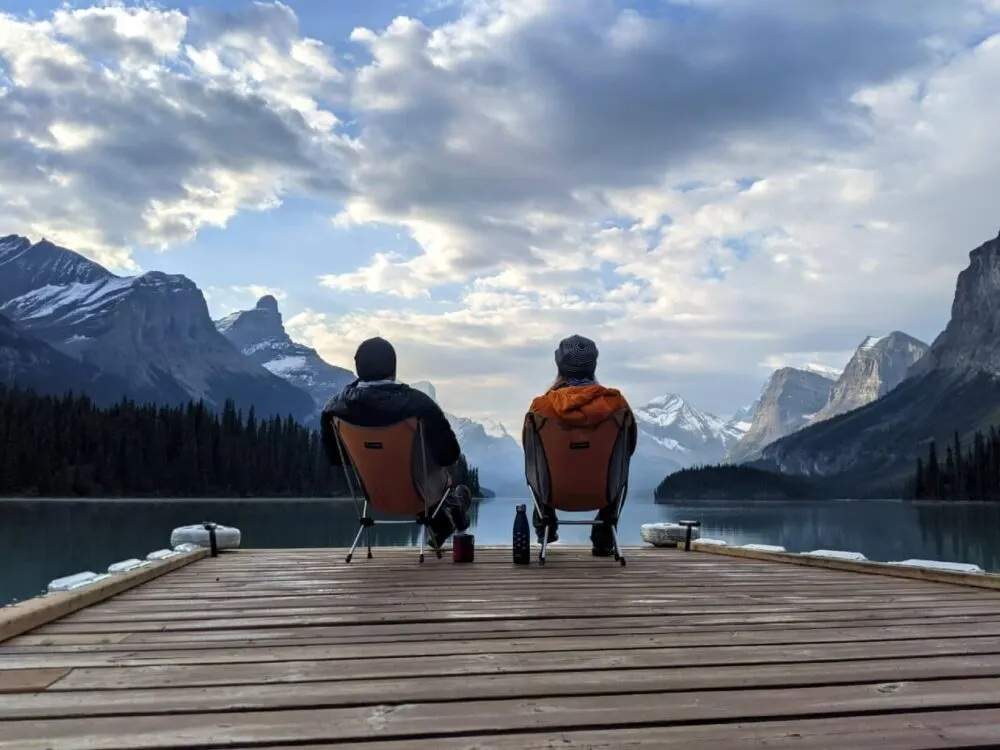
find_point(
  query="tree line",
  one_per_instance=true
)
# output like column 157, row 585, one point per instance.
column 728, row 481
column 969, row 473
column 59, row 446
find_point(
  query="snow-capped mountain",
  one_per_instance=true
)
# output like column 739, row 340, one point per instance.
column 743, row 417
column 674, row 435
column 260, row 335
column 153, row 330
column 489, row 447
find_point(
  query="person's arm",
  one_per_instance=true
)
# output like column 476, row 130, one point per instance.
column 441, row 440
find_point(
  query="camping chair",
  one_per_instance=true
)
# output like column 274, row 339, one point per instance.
column 577, row 469
column 390, row 468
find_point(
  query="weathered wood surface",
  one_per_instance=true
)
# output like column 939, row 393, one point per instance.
column 276, row 648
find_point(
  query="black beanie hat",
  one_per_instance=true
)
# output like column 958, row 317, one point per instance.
column 576, row 357
column 375, row 359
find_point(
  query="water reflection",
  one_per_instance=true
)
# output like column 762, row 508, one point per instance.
column 42, row 540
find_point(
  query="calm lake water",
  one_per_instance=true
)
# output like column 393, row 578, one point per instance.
column 43, row 540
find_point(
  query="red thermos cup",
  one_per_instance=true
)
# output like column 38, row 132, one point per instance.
column 463, row 548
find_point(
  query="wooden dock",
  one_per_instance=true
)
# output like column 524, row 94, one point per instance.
column 293, row 648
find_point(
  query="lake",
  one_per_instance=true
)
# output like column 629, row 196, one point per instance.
column 44, row 539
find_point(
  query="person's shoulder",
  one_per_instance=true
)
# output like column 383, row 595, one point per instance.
column 616, row 396
column 541, row 403
column 419, row 401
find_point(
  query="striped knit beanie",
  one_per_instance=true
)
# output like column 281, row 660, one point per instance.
column 576, row 357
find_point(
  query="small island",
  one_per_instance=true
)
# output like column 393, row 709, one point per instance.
column 731, row 482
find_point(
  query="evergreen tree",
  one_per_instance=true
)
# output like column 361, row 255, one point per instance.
column 971, row 473
column 67, row 446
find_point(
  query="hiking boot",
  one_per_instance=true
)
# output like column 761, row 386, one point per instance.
column 553, row 526
column 439, row 528
column 602, row 540
column 458, row 503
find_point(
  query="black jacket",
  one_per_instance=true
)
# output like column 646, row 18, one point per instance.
column 385, row 404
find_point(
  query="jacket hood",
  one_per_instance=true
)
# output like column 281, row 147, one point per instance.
column 584, row 404
column 383, row 397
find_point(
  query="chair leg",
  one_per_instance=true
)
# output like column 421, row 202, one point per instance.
column 368, row 538
column 423, row 536
column 545, row 541
column 357, row 538
column 618, row 550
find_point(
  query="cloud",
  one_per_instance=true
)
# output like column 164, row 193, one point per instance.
column 701, row 185
column 132, row 125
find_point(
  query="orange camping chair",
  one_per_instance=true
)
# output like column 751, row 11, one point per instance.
column 576, row 469
column 391, row 469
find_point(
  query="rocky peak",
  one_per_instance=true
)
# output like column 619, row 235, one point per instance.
column 791, row 398
column 25, row 267
column 879, row 364
column 268, row 304
column 969, row 343
column 250, row 328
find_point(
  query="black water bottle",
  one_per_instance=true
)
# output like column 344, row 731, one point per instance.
column 522, row 537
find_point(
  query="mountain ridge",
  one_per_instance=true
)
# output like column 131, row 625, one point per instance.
column 153, row 330
column 953, row 387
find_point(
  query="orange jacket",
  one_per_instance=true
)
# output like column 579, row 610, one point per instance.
column 583, row 405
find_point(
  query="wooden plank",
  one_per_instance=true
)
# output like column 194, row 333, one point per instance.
column 735, row 611
column 168, row 606
column 158, row 598
column 963, row 730
column 27, row 615
column 14, row 680
column 974, row 580
column 352, row 692
column 570, row 628
column 577, row 607
column 47, row 642
column 242, row 654
column 488, row 663
column 207, row 730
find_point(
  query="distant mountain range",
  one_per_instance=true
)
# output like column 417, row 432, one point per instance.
column 68, row 323
column 953, row 387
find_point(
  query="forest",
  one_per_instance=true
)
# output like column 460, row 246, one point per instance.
column 733, row 482
column 969, row 472
column 67, row 446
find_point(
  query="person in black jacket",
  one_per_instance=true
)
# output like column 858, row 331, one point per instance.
column 376, row 399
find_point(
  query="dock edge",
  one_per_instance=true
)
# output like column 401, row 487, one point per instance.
column 973, row 580
column 17, row 619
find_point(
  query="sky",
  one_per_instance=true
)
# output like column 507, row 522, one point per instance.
column 710, row 189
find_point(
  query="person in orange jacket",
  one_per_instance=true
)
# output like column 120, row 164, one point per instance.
column 577, row 398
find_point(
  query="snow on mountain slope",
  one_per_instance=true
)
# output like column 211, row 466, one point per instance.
column 673, row 435
column 260, row 335
column 153, row 331
column 489, row 447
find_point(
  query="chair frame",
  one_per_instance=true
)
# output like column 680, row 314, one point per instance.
column 357, row 486
column 618, row 501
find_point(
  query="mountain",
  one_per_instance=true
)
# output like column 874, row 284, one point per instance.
column 27, row 361
column 791, row 397
column 879, row 364
column 954, row 387
column 152, row 331
column 743, row 417
column 489, row 447
column 260, row 335
column 676, row 435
